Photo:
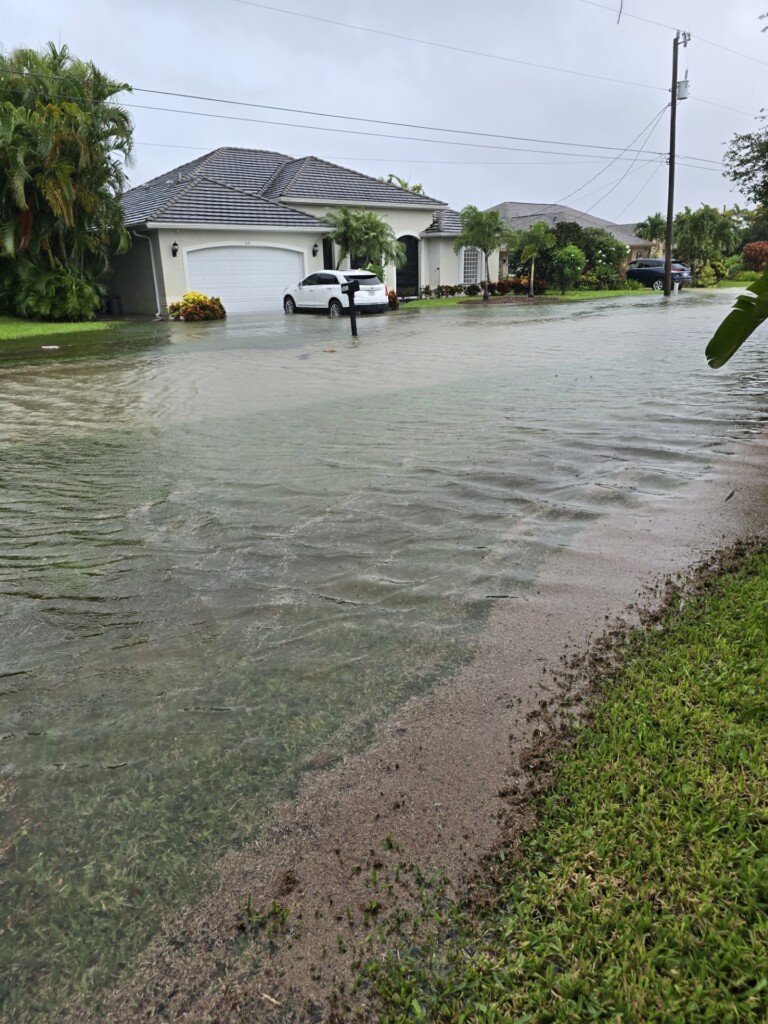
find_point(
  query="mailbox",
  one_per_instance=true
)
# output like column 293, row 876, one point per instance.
column 350, row 286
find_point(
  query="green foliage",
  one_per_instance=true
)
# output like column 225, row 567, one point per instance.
column 196, row 306
column 377, row 269
column 748, row 313
column 702, row 235
column 706, row 277
column 746, row 164
column 61, row 142
column 641, row 894
column 485, row 230
column 392, row 179
column 364, row 237
column 57, row 292
column 530, row 245
column 567, row 263
column 654, row 227
column 755, row 256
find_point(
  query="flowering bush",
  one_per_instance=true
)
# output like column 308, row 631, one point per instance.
column 196, row 306
column 755, row 255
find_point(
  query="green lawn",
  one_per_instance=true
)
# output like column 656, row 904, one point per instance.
column 13, row 329
column 641, row 896
column 573, row 296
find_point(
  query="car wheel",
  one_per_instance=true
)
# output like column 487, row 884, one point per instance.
column 335, row 308
column 289, row 305
column 658, row 284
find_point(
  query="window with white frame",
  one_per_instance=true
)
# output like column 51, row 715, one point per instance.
column 470, row 266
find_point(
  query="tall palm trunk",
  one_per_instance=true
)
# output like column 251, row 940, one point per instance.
column 530, row 279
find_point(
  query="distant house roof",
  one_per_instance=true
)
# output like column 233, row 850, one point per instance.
column 523, row 215
column 444, row 222
column 254, row 186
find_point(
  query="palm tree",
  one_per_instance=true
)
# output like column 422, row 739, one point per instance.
column 485, row 230
column 653, row 228
column 63, row 147
column 363, row 235
column 531, row 244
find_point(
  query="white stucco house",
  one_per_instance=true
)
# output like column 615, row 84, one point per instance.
column 244, row 224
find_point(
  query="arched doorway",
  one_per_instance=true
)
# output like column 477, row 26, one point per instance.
column 408, row 275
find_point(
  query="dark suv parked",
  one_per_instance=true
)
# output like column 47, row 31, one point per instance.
column 651, row 273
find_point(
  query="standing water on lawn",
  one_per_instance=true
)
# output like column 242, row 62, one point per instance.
column 226, row 553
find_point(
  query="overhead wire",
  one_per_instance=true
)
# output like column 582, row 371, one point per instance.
column 651, row 130
column 474, row 53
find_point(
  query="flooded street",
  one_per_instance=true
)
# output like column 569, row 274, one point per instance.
column 226, row 554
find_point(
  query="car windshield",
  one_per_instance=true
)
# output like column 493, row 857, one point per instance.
column 366, row 280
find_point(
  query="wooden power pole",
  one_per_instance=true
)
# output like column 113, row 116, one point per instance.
column 671, row 189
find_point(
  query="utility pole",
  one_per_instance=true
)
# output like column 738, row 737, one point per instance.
column 671, row 189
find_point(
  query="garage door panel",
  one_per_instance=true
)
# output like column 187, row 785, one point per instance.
column 247, row 279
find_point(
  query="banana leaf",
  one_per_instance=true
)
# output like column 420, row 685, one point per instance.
column 747, row 314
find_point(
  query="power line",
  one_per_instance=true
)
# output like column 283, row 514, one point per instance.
column 481, row 53
column 647, row 139
column 350, row 131
column 654, row 172
column 344, row 117
column 673, row 28
column 444, row 46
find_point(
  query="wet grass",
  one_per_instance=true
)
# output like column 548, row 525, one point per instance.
column 572, row 296
column 22, row 341
column 642, row 894
column 89, row 865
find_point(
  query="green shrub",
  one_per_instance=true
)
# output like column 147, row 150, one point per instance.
column 58, row 293
column 755, row 255
column 426, row 292
column 473, row 289
column 719, row 268
column 631, row 285
column 706, row 277
column 196, row 306
column 734, row 266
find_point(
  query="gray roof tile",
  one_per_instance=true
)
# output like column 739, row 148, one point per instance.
column 444, row 222
column 202, row 201
column 273, row 178
column 523, row 215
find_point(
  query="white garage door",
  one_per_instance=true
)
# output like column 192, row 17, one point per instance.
column 247, row 279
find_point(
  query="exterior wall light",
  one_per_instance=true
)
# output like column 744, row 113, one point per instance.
column 315, row 249
column 175, row 249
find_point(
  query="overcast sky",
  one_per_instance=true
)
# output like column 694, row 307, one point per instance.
column 243, row 51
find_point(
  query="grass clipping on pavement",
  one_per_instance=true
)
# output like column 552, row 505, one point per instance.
column 642, row 893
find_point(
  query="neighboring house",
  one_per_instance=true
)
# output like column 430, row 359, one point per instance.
column 521, row 216
column 446, row 266
column 244, row 224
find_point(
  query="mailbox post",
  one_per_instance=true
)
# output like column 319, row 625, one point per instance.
column 349, row 288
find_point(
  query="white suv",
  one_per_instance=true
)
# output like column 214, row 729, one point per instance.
column 321, row 292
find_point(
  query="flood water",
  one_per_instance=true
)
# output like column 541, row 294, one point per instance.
column 228, row 550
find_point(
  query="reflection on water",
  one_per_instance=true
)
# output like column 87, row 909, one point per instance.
column 226, row 555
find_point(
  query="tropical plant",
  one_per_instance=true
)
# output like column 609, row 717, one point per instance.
column 63, row 147
column 531, row 245
column 749, row 311
column 196, row 306
column 392, row 179
column 364, row 237
column 485, row 230
column 755, row 255
column 568, row 264
column 703, row 234
column 653, row 228
column 746, row 164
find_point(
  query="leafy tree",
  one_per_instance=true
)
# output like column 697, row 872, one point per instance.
column 568, row 264
column 653, row 228
column 485, row 230
column 531, row 245
column 63, row 143
column 749, row 311
column 746, row 164
column 703, row 234
column 364, row 237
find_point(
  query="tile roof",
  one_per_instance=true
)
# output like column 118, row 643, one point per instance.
column 257, row 180
column 202, row 201
column 444, row 222
column 523, row 215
